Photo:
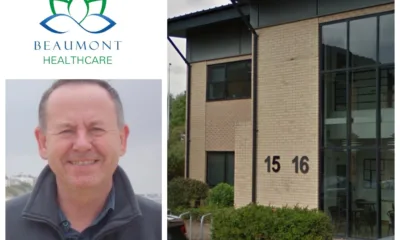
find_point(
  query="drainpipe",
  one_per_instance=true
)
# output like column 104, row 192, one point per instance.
column 255, row 80
column 188, row 95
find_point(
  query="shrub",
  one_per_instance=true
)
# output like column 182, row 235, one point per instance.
column 256, row 222
column 221, row 195
column 185, row 192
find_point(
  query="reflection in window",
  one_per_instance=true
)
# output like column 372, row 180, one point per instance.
column 386, row 38
column 353, row 164
column 362, row 43
column 229, row 80
column 334, row 46
column 220, row 168
column 387, row 88
column 363, row 90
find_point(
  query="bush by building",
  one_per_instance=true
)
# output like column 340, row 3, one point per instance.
column 255, row 222
column 221, row 195
column 186, row 193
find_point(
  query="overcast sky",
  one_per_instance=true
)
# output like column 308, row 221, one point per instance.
column 141, row 100
column 178, row 67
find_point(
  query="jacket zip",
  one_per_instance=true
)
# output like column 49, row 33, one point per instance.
column 41, row 220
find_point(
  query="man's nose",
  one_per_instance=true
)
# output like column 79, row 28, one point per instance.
column 82, row 141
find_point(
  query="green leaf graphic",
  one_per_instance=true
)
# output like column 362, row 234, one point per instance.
column 87, row 2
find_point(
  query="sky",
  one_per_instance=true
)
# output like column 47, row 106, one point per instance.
column 178, row 66
column 141, row 100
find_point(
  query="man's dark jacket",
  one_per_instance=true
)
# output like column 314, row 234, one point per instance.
column 35, row 216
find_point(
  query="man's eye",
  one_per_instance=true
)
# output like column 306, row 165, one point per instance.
column 97, row 129
column 66, row 131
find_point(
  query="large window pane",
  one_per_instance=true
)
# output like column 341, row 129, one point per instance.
column 334, row 46
column 230, row 80
column 363, row 181
column 241, row 89
column 216, row 73
column 363, row 37
column 334, row 193
column 387, row 193
column 387, row 107
column 335, row 106
column 238, row 71
column 216, row 91
column 363, row 108
column 215, row 168
column 230, row 168
column 220, row 168
column 386, row 38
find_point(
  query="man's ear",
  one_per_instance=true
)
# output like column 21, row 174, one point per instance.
column 41, row 141
column 124, row 134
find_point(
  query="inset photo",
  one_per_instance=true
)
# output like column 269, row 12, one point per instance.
column 83, row 159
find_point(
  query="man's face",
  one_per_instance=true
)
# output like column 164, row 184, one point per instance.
column 82, row 140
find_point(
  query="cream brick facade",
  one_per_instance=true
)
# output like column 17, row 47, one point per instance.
column 288, row 115
column 288, row 110
column 212, row 124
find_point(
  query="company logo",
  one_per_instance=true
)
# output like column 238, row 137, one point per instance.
column 88, row 14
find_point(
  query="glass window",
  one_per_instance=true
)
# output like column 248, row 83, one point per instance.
column 362, row 42
column 386, row 38
column 229, row 81
column 335, row 105
column 334, row 46
column 220, row 168
column 351, row 102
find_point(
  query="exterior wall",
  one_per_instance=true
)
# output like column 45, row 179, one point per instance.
column 365, row 11
column 221, row 118
column 220, row 40
column 212, row 124
column 243, row 163
column 274, row 12
column 288, row 110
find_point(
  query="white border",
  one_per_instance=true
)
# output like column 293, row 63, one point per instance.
column 142, row 28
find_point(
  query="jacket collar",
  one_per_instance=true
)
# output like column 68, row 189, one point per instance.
column 42, row 204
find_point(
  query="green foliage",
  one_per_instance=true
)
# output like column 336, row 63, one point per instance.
column 185, row 192
column 255, row 222
column 176, row 145
column 178, row 110
column 221, row 195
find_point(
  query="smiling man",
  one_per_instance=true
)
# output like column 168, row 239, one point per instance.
column 82, row 193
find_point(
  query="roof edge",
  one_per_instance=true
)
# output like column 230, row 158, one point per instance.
column 203, row 12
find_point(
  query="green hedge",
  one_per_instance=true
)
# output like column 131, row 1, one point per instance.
column 185, row 192
column 255, row 222
column 221, row 195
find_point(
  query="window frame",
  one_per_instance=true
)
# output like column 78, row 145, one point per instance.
column 378, row 147
column 226, row 158
column 225, row 82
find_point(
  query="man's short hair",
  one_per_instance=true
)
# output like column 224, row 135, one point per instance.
column 103, row 84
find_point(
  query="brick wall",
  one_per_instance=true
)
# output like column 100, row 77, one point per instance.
column 243, row 163
column 288, row 112
column 288, row 108
column 212, row 123
column 287, row 118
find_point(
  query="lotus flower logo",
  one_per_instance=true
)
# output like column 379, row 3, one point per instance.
column 88, row 14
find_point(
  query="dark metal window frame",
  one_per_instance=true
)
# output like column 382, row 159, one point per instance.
column 225, row 65
column 378, row 147
column 225, row 153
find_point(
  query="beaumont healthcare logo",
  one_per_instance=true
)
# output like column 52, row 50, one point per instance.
column 87, row 15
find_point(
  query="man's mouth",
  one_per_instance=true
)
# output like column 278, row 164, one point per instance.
column 83, row 163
